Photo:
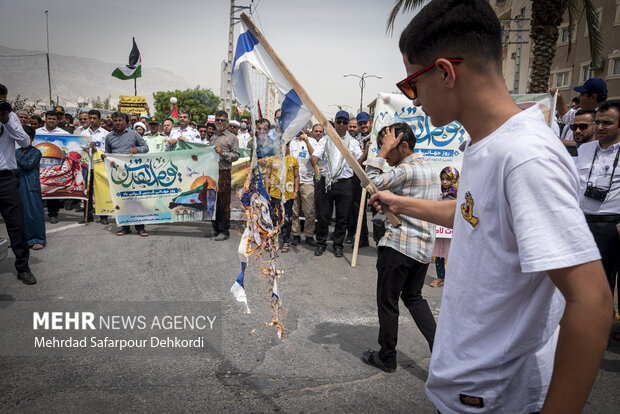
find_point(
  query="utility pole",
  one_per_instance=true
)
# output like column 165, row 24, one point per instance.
column 233, row 20
column 49, row 78
column 363, row 85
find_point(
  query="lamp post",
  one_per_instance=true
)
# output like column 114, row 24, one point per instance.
column 363, row 78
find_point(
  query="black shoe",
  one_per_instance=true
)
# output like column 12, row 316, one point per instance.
column 337, row 251
column 363, row 243
column 350, row 239
column 371, row 357
column 296, row 240
column 27, row 278
column 319, row 250
column 310, row 241
column 53, row 219
column 104, row 220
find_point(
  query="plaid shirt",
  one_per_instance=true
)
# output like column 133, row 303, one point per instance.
column 412, row 177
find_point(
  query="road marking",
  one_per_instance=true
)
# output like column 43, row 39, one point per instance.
column 67, row 227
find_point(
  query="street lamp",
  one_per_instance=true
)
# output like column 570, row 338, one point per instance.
column 363, row 84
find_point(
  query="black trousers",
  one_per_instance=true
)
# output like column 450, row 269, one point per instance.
column 53, row 206
column 13, row 215
column 355, row 209
column 400, row 275
column 221, row 224
column 339, row 196
column 608, row 241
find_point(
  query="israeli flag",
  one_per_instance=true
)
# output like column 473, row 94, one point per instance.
column 250, row 55
column 238, row 288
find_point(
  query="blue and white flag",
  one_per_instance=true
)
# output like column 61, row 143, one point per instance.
column 238, row 288
column 250, row 55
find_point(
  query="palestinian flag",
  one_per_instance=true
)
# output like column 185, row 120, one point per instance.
column 134, row 69
column 174, row 114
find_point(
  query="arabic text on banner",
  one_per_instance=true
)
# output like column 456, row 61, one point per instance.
column 64, row 165
column 163, row 187
column 133, row 104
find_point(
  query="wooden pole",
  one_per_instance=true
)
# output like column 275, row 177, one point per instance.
column 358, row 230
column 135, row 87
column 88, row 186
column 333, row 135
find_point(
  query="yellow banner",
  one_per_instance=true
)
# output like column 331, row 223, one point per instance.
column 133, row 104
column 103, row 199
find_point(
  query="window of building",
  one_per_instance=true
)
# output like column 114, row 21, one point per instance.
column 613, row 68
column 586, row 72
column 561, row 78
column 617, row 19
column 563, row 34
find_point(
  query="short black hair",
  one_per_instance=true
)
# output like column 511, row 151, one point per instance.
column 69, row 118
column 51, row 113
column 3, row 90
column 408, row 135
column 119, row 115
column 582, row 111
column 262, row 121
column 221, row 113
column 95, row 112
column 575, row 99
column 30, row 131
column 184, row 111
column 607, row 105
column 36, row 118
column 467, row 29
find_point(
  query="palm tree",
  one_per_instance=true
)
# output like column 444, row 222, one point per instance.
column 546, row 19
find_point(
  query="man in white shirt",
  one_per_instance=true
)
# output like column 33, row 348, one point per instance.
column 302, row 148
column 599, row 173
column 335, row 188
column 184, row 132
column 522, row 257
column 51, row 128
column 97, row 143
column 11, row 133
column 243, row 135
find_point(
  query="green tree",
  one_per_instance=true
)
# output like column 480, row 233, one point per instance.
column 198, row 102
column 547, row 16
column 20, row 104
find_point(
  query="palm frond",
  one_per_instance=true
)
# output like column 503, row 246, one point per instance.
column 594, row 33
column 401, row 6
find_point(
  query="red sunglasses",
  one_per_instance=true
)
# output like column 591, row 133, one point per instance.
column 408, row 88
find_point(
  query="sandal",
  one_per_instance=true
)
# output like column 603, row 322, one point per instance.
column 371, row 357
column 285, row 248
column 144, row 234
column 38, row 246
column 436, row 283
column 122, row 232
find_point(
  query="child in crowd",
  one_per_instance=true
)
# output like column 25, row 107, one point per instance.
column 28, row 160
column 449, row 183
column 291, row 186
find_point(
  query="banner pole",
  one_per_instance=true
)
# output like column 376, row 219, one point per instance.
column 333, row 135
column 358, row 229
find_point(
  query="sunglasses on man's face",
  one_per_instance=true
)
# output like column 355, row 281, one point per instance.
column 342, row 121
column 582, row 127
column 408, row 88
column 220, row 120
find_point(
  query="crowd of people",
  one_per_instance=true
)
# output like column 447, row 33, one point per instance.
column 535, row 212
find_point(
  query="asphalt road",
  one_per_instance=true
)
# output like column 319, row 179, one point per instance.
column 330, row 318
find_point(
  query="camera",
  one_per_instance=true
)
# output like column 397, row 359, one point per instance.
column 595, row 193
column 5, row 107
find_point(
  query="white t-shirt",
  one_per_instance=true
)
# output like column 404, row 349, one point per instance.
column 601, row 176
column 244, row 138
column 56, row 131
column 568, row 119
column 189, row 134
column 300, row 151
column 499, row 319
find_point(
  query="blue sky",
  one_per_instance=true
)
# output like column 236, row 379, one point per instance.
column 319, row 41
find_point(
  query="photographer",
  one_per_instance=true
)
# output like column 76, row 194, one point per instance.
column 11, row 132
column 599, row 177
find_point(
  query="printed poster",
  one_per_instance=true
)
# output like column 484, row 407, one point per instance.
column 64, row 165
column 163, row 187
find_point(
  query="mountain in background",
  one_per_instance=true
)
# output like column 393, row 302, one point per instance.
column 76, row 78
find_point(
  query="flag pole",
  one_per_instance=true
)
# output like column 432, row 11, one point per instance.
column 135, row 89
column 333, row 135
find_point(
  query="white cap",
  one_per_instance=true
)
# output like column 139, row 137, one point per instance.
column 233, row 122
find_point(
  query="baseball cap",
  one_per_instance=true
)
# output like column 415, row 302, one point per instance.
column 342, row 114
column 594, row 85
column 153, row 120
column 363, row 117
column 59, row 109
